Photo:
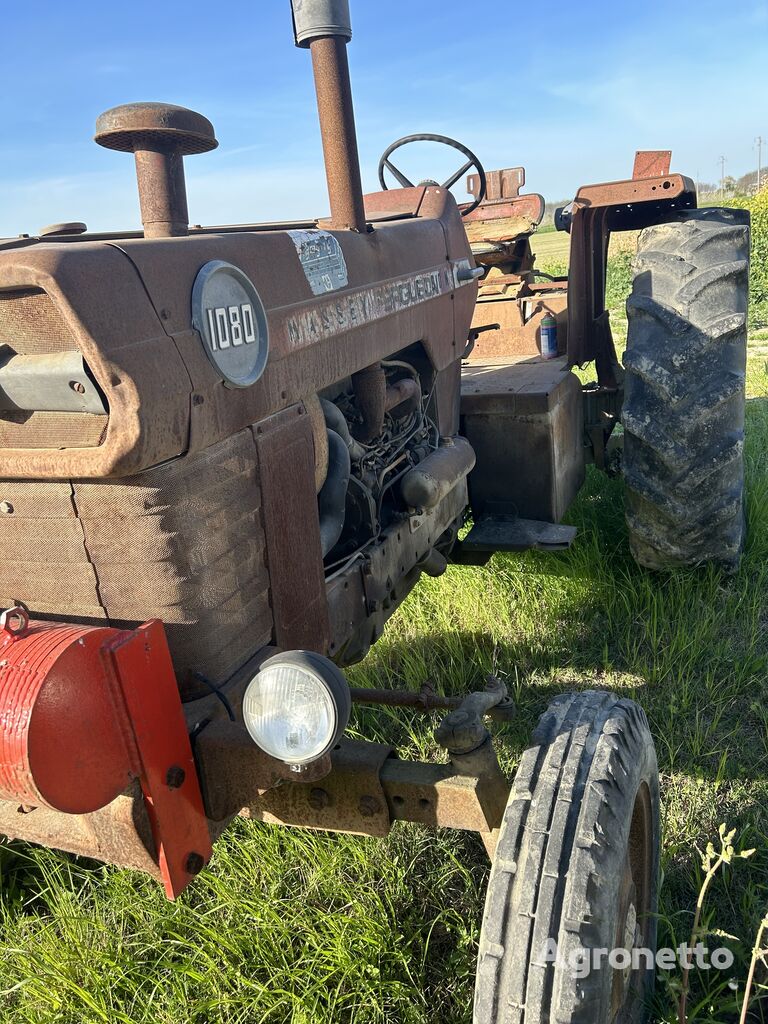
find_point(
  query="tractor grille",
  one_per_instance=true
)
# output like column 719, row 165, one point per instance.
column 30, row 324
column 182, row 542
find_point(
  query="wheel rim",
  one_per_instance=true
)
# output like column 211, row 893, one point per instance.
column 633, row 922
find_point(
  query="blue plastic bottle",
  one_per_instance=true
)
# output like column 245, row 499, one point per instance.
column 548, row 335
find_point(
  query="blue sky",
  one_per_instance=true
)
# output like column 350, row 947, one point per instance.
column 570, row 90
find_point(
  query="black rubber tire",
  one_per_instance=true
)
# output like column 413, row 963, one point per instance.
column 560, row 866
column 684, row 400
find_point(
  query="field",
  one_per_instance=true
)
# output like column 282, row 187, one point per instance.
column 287, row 926
column 550, row 247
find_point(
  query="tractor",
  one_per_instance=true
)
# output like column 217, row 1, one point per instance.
column 227, row 455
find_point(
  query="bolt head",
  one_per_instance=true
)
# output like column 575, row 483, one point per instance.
column 174, row 777
column 319, row 799
column 194, row 864
column 369, row 806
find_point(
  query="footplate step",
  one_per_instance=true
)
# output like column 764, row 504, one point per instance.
column 510, row 533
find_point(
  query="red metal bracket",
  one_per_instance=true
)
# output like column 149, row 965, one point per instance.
column 140, row 664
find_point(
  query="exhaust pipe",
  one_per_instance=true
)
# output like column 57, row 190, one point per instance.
column 325, row 28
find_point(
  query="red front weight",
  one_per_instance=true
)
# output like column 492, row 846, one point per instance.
column 86, row 710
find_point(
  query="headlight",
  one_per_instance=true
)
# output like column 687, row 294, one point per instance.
column 297, row 706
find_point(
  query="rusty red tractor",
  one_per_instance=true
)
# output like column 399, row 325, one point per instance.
column 227, row 454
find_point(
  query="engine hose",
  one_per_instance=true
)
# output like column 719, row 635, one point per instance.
column 336, row 421
column 332, row 500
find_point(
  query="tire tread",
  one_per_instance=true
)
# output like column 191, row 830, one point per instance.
column 684, row 404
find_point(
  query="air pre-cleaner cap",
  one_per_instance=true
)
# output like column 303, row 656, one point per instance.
column 315, row 18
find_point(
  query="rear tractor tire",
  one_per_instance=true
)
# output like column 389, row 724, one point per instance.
column 575, row 873
column 684, row 399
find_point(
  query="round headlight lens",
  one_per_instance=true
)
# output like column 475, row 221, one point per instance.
column 297, row 706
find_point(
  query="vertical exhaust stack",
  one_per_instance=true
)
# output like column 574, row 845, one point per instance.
column 324, row 27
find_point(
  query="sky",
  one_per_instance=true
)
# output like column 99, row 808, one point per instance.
column 568, row 90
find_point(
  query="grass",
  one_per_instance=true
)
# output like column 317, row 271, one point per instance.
column 551, row 246
column 288, row 927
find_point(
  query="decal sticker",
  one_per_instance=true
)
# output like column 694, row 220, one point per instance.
column 321, row 259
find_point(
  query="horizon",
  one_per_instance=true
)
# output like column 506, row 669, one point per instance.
column 572, row 106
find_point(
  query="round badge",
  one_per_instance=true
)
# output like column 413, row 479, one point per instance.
column 230, row 318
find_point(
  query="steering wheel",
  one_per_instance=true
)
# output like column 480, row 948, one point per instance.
column 472, row 161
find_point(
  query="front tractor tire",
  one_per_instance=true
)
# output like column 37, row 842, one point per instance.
column 575, row 873
column 684, row 400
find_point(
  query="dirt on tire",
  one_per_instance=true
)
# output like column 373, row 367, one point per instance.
column 684, row 403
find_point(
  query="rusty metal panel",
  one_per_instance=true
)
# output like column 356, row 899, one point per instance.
column 119, row 833
column 31, row 431
column 126, row 304
column 598, row 210
column 100, row 301
column 518, row 315
column 183, row 542
column 652, row 163
column 316, row 340
column 286, row 455
column 505, row 184
column 394, row 203
column 525, row 421
column 664, row 188
column 349, row 799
